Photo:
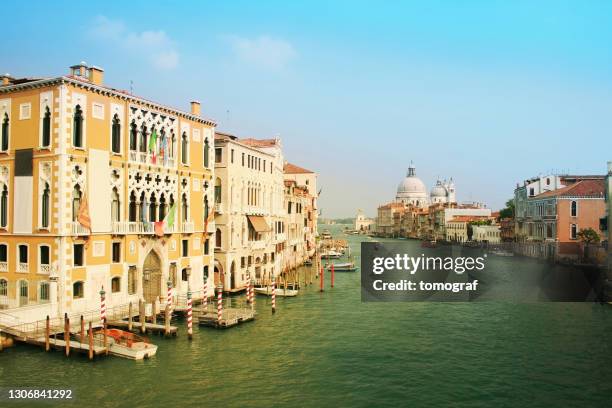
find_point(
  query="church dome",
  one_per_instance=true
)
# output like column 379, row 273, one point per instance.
column 438, row 190
column 412, row 190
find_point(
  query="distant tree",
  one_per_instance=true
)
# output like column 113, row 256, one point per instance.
column 507, row 212
column 588, row 236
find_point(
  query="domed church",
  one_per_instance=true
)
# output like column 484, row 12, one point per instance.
column 412, row 191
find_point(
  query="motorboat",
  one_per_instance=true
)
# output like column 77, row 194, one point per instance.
column 267, row 291
column 331, row 254
column 127, row 345
column 343, row 267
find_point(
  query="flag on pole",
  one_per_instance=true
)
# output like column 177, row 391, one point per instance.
column 83, row 214
column 167, row 222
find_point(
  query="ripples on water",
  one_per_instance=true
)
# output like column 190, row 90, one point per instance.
column 332, row 350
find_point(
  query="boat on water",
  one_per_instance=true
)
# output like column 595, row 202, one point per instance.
column 267, row 291
column 501, row 252
column 308, row 262
column 429, row 244
column 326, row 234
column 331, row 254
column 343, row 267
column 127, row 345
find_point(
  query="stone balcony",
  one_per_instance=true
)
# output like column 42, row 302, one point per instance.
column 3, row 266
column 147, row 158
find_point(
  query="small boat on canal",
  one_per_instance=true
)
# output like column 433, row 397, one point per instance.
column 343, row 267
column 127, row 345
column 331, row 254
column 267, row 291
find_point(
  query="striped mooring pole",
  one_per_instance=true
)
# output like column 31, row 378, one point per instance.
column 189, row 316
column 332, row 275
column 219, row 303
column 273, row 295
column 252, row 291
column 102, row 305
column 321, row 277
column 205, row 300
column 169, row 300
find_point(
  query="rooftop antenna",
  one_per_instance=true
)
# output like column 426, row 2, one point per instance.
column 131, row 87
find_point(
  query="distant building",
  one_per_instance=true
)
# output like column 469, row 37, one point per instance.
column 362, row 223
column 486, row 233
column 558, row 208
column 507, row 229
column 412, row 191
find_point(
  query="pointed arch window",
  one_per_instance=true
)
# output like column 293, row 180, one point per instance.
column 133, row 136
column 45, row 207
column 172, row 144
column 133, row 209
column 76, row 201
column 116, row 134
column 184, row 208
column 218, row 190
column 206, row 209
column 162, row 207
column 184, row 148
column 143, row 139
column 218, row 238
column 46, row 128
column 115, row 205
column 4, row 207
column 152, row 208
column 77, row 127
column 5, row 133
column 206, row 153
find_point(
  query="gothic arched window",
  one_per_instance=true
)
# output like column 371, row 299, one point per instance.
column 184, row 148
column 218, row 238
column 143, row 139
column 162, row 207
column 206, row 152
column 46, row 128
column 132, row 209
column 152, row 208
column 5, row 133
column 44, row 216
column 76, row 201
column 115, row 205
column 184, row 207
column 133, row 136
column 116, row 134
column 4, row 207
column 77, row 127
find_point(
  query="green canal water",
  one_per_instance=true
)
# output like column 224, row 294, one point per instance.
column 330, row 349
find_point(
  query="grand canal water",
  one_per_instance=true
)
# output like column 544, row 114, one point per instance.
column 329, row 349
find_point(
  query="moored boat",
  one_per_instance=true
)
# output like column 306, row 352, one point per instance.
column 127, row 345
column 343, row 267
column 267, row 291
column 331, row 254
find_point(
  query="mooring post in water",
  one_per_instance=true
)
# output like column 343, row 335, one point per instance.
column 189, row 316
column 274, row 295
column 154, row 312
column 143, row 317
column 47, row 333
column 167, row 320
column 130, row 317
column 252, row 292
column 205, row 298
column 332, row 275
column 82, row 339
column 67, row 333
column 169, row 300
column 2, row 342
column 91, row 350
column 219, row 303
column 105, row 337
column 102, row 305
column 321, row 279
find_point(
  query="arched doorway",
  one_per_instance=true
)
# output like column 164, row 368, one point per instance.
column 218, row 274
column 151, row 277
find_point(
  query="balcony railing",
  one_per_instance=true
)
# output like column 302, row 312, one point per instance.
column 147, row 158
column 23, row 267
column 3, row 266
column 120, row 227
column 211, row 228
column 46, row 269
column 188, row 227
column 140, row 227
column 78, row 229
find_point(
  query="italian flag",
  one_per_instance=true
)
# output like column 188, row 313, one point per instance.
column 152, row 143
column 167, row 222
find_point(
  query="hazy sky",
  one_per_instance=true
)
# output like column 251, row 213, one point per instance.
column 489, row 92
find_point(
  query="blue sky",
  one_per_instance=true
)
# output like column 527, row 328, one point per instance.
column 489, row 92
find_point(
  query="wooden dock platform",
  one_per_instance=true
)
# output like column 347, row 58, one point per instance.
column 60, row 344
column 149, row 327
column 231, row 317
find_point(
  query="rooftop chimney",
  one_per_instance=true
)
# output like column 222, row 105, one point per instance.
column 6, row 79
column 195, row 108
column 79, row 70
column 96, row 75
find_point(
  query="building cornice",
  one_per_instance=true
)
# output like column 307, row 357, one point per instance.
column 41, row 83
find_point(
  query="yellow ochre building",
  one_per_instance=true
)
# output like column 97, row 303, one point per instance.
column 71, row 138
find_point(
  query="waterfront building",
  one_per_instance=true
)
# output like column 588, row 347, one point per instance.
column 486, row 233
column 363, row 223
column 387, row 218
column 249, row 211
column 88, row 174
column 506, row 226
column 559, row 212
column 412, row 191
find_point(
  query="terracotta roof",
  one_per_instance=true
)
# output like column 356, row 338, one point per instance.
column 583, row 188
column 258, row 142
column 293, row 169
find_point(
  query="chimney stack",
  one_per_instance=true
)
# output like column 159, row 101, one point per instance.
column 195, row 108
column 96, row 75
column 6, row 79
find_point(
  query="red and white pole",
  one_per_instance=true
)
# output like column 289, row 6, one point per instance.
column 252, row 286
column 219, row 303
column 205, row 300
column 321, row 277
column 102, row 305
column 189, row 316
column 332, row 275
column 169, row 300
column 273, row 295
